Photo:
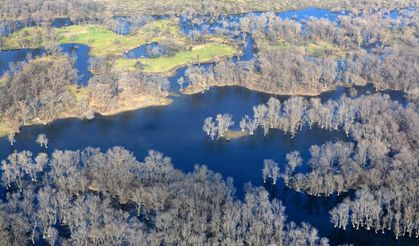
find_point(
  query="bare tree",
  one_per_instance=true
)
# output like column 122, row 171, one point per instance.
column 42, row 140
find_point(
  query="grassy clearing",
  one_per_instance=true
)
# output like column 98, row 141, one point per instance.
column 324, row 49
column 79, row 93
column 200, row 53
column 103, row 42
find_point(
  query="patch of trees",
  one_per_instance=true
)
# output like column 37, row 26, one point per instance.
column 381, row 164
column 92, row 198
column 218, row 128
column 165, row 47
column 372, row 48
column 43, row 89
column 37, row 12
column 126, row 24
column 211, row 10
column 41, row 11
column 37, row 89
column 351, row 30
column 392, row 68
column 277, row 71
column 108, row 88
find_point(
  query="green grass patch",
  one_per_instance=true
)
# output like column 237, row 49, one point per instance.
column 4, row 129
column 2, row 81
column 29, row 37
column 80, row 94
column 104, row 42
column 200, row 53
column 324, row 49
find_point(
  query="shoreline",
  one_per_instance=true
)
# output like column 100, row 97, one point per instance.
column 244, row 7
column 127, row 105
column 138, row 103
column 235, row 134
column 197, row 90
column 172, row 72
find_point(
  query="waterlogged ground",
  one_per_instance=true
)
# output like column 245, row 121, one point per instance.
column 176, row 131
column 80, row 52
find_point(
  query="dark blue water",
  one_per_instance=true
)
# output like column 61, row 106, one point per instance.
column 9, row 27
column 80, row 51
column 395, row 13
column 142, row 51
column 248, row 50
column 228, row 22
column 9, row 56
column 61, row 22
column 175, row 130
column 305, row 14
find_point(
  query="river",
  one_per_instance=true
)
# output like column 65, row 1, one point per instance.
column 176, row 131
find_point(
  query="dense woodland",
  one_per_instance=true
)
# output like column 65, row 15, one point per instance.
column 43, row 12
column 92, row 198
column 380, row 164
column 356, row 51
column 88, row 197
column 40, row 10
column 43, row 89
column 37, row 88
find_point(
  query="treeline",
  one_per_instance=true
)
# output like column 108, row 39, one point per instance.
column 41, row 11
column 92, row 198
column 350, row 30
column 43, row 89
column 382, row 163
column 30, row 11
column 292, row 72
column 37, row 89
column 213, row 9
column 277, row 72
column 109, row 87
column 376, row 48
column 318, row 55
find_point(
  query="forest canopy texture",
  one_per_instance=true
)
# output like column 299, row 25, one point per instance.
column 142, row 53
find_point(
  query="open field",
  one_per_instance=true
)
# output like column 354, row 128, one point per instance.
column 103, row 42
column 200, row 53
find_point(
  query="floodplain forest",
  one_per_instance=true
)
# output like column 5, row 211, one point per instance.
column 346, row 70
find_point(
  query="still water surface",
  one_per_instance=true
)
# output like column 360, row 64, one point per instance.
column 176, row 131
